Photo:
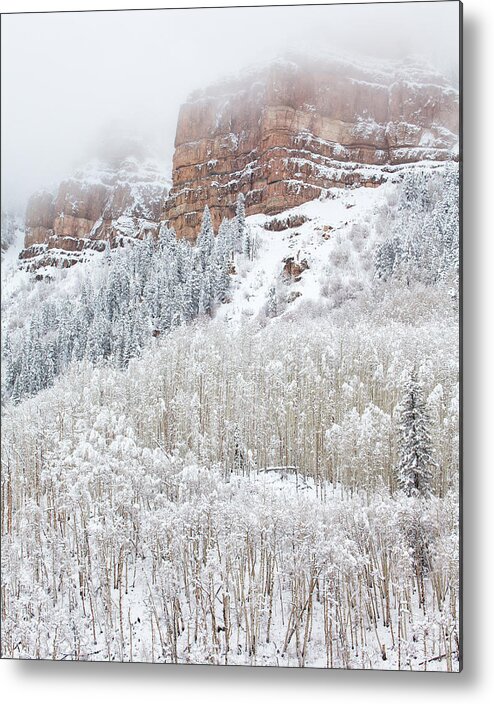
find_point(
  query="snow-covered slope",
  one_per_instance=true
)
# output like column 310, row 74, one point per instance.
column 328, row 223
column 228, row 493
column 11, row 226
column 324, row 259
column 315, row 256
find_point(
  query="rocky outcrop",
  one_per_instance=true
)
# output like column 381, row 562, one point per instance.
column 293, row 269
column 285, row 223
column 285, row 133
column 108, row 202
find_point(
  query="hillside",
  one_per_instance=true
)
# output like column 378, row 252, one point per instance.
column 237, row 442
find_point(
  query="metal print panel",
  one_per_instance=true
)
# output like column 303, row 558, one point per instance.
column 230, row 336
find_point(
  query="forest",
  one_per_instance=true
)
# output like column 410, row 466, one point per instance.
column 280, row 491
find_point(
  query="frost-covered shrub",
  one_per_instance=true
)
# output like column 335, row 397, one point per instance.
column 358, row 234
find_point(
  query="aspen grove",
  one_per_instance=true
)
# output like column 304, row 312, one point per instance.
column 183, row 485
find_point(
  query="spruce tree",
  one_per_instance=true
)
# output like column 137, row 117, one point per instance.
column 387, row 258
column 205, row 296
column 166, row 239
column 415, row 461
column 240, row 223
column 205, row 241
column 247, row 244
column 272, row 303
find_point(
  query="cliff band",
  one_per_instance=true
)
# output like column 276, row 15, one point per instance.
column 286, row 132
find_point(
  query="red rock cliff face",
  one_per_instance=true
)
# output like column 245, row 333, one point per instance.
column 285, row 133
column 97, row 205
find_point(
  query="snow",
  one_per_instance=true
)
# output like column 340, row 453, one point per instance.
column 104, row 473
column 11, row 254
column 155, row 505
column 340, row 209
column 427, row 139
column 13, row 279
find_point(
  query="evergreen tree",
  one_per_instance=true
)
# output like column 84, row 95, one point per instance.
column 247, row 249
column 387, row 258
column 177, row 308
column 240, row 223
column 205, row 296
column 272, row 303
column 166, row 240
column 224, row 239
column 150, row 297
column 415, row 461
column 221, row 279
column 205, row 240
column 193, row 292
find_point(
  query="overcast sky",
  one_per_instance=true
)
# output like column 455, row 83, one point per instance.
column 66, row 76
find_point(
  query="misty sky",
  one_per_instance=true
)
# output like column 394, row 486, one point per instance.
column 67, row 76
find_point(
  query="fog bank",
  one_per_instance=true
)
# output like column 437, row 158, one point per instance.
column 68, row 78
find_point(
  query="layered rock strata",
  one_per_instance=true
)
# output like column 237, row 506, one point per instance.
column 285, row 133
column 103, row 203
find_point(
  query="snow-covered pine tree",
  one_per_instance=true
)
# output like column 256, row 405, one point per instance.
column 219, row 264
column 177, row 307
column 240, row 223
column 166, row 239
column 221, row 279
column 205, row 296
column 225, row 237
column 113, row 289
column 247, row 248
column 415, row 460
column 272, row 303
column 165, row 307
column 387, row 257
column 133, row 335
column 150, row 297
column 188, row 301
column 194, row 290
column 64, row 340
column 205, row 240
column 97, row 338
